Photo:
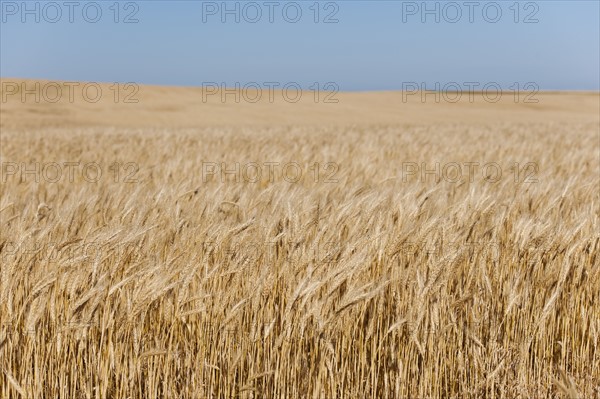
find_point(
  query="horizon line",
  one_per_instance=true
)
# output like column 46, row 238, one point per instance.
column 22, row 79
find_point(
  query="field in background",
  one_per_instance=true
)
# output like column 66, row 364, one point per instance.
column 80, row 104
column 182, row 249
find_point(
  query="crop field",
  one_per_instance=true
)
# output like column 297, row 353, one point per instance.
column 444, row 251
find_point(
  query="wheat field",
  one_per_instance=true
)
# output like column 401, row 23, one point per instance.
column 160, row 264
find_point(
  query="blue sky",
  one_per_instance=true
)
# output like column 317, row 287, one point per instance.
column 374, row 45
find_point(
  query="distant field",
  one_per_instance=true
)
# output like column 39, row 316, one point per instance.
column 80, row 104
column 373, row 248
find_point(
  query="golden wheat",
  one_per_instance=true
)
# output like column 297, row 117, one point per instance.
column 162, row 278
